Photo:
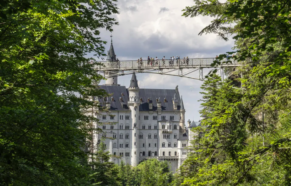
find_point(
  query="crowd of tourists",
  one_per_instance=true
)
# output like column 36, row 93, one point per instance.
column 156, row 61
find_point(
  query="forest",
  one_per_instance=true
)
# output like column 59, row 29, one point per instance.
column 244, row 138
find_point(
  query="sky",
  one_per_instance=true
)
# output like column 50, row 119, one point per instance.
column 157, row 28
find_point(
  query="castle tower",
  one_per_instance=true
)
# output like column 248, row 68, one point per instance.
column 111, row 57
column 182, row 114
column 133, row 104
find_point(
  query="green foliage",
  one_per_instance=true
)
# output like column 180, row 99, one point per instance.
column 103, row 171
column 148, row 173
column 245, row 136
column 43, row 129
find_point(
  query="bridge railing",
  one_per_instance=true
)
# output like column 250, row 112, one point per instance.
column 159, row 64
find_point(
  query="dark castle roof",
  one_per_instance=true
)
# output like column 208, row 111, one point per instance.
column 118, row 93
column 133, row 81
column 111, row 54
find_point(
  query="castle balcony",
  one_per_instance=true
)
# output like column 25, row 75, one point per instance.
column 167, row 131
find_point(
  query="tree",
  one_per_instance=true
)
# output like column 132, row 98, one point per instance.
column 246, row 134
column 104, row 172
column 43, row 47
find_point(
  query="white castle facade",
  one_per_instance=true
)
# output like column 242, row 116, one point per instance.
column 142, row 123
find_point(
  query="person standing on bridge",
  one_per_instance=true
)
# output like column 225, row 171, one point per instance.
column 156, row 60
column 163, row 60
column 187, row 60
column 148, row 60
column 184, row 60
column 140, row 61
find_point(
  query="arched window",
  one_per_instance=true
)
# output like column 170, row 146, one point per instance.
column 149, row 153
column 169, row 153
column 163, row 127
column 121, row 136
column 114, row 145
column 175, row 153
column 169, row 144
column 114, row 135
column 163, row 144
column 175, row 126
column 149, row 136
column 126, row 136
column 175, row 144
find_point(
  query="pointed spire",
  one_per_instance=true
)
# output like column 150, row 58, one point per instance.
column 111, row 54
column 182, row 104
column 193, row 124
column 133, row 81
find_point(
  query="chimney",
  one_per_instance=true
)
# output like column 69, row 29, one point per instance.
column 159, row 106
column 150, row 104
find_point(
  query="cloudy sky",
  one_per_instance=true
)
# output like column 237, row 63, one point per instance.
column 156, row 28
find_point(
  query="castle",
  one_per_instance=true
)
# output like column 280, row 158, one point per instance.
column 142, row 123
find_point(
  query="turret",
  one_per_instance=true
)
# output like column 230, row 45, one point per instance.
column 182, row 114
column 133, row 104
column 109, row 75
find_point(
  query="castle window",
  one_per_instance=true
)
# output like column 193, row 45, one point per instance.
column 140, row 136
column 175, row 144
column 126, row 117
column 169, row 144
column 175, row 136
column 149, row 145
column 126, row 145
column 175, row 126
column 127, row 154
column 149, row 153
column 134, row 125
column 143, row 153
column 111, row 117
column 164, row 153
column 164, row 136
column 114, row 145
column 184, row 145
column 121, row 145
column 155, row 127
column 143, row 127
column 104, row 135
column 163, row 126
column 155, row 136
column 114, row 153
column 175, row 153
column 149, row 127
column 104, row 117
column 121, row 117
column 126, row 136
column 104, row 126
column 163, row 118
column 169, row 153
column 143, row 145
column 121, row 154
column 155, row 117
column 149, row 136
column 155, row 145
column 111, row 127
column 172, row 118
column 121, row 126
column 163, row 144
column 114, row 135
column 146, row 117
column 126, row 127
column 156, row 153
column 121, row 136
